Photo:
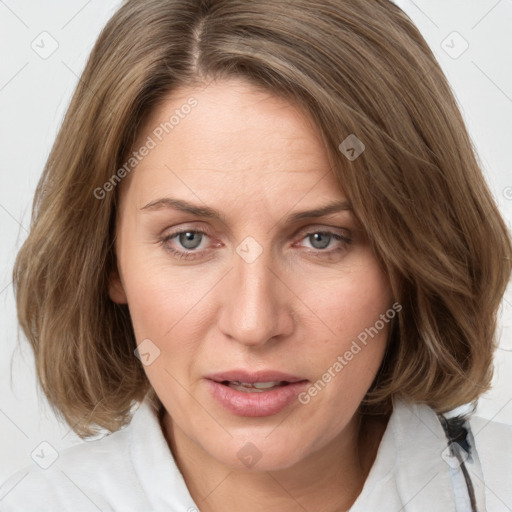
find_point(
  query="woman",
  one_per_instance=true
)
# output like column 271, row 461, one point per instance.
column 263, row 231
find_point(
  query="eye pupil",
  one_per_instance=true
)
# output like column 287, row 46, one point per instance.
column 320, row 240
column 187, row 239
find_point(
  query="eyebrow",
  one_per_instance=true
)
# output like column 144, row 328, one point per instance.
column 205, row 211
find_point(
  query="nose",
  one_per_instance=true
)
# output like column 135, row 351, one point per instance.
column 256, row 305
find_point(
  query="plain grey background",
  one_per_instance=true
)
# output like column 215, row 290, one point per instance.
column 44, row 46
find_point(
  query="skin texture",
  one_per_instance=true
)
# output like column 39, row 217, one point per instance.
column 255, row 158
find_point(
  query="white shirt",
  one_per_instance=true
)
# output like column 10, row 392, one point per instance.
column 133, row 469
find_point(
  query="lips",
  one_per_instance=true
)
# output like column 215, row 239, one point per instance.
column 254, row 387
column 246, row 377
column 261, row 393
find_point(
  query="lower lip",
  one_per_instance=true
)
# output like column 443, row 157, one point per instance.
column 255, row 404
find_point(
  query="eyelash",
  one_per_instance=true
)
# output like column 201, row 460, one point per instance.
column 192, row 254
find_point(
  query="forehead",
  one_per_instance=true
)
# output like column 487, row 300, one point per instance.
column 227, row 137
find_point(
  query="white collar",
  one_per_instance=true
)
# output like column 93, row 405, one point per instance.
column 409, row 472
column 154, row 463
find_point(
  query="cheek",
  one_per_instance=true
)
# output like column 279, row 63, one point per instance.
column 153, row 308
column 167, row 321
column 162, row 298
column 356, row 313
column 352, row 302
column 170, row 312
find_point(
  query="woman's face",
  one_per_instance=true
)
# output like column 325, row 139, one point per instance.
column 229, row 278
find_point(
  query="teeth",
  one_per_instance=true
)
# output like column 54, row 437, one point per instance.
column 259, row 385
column 254, row 387
column 265, row 385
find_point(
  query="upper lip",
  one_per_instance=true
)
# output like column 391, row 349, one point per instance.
column 251, row 377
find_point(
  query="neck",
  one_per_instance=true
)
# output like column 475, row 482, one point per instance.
column 328, row 480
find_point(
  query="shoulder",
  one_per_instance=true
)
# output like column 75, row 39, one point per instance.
column 495, row 437
column 491, row 433
column 90, row 476
column 423, row 448
column 493, row 443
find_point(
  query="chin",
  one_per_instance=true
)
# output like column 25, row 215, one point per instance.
column 255, row 453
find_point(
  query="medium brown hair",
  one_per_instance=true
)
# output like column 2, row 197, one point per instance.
column 354, row 67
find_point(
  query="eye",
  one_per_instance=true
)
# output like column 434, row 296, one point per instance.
column 185, row 244
column 191, row 243
column 325, row 241
column 189, row 239
column 320, row 240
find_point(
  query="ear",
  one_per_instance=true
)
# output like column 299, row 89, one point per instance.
column 116, row 289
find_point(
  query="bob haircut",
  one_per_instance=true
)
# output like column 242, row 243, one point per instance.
column 355, row 68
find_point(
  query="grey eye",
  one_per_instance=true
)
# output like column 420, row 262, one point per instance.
column 190, row 239
column 320, row 240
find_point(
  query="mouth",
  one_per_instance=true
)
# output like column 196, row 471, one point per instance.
column 244, row 380
column 262, row 393
column 254, row 387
